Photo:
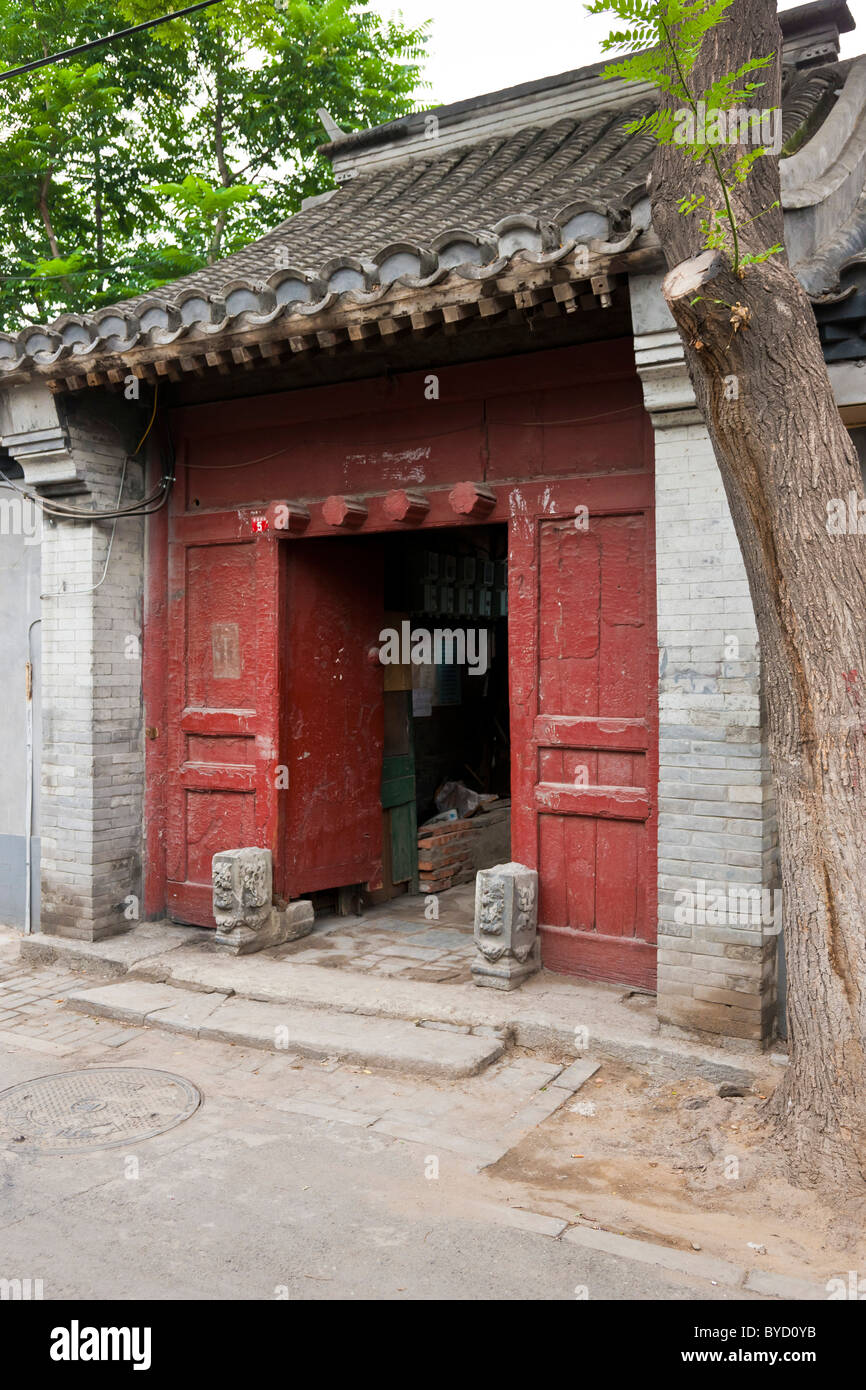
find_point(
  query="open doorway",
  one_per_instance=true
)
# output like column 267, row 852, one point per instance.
column 446, row 756
column 397, row 718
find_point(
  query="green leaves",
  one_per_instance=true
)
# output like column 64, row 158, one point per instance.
column 661, row 124
column 642, row 18
column 663, row 39
column 178, row 146
column 739, row 171
column 198, row 196
column 758, row 257
column 58, row 267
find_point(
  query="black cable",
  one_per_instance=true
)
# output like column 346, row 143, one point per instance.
column 101, row 270
column 142, row 507
column 109, row 38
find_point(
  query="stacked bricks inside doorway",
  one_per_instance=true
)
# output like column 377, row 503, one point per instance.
column 444, row 855
column 451, row 852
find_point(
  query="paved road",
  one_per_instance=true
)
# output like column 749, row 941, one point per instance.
column 248, row 1201
column 294, row 1179
column 311, row 1210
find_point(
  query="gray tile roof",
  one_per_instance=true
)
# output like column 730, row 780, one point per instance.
column 465, row 211
column 841, row 313
column 535, row 171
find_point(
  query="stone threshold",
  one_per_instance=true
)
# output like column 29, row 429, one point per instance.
column 552, row 1012
column 432, row 1050
column 385, row 1043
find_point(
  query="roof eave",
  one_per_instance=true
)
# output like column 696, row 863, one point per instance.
column 517, row 291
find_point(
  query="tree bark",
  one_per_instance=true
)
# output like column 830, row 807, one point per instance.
column 225, row 173
column 755, row 361
column 45, row 214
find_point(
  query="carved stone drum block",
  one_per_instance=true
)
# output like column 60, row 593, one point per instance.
column 506, row 926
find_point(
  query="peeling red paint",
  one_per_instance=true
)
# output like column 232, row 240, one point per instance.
column 298, row 690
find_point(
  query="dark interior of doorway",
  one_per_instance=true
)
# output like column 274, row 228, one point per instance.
column 455, row 580
column 446, row 720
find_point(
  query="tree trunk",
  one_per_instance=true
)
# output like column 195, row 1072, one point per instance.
column 45, row 214
column 755, row 361
column 225, row 173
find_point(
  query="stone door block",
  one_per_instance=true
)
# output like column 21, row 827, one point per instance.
column 506, row 926
column 246, row 917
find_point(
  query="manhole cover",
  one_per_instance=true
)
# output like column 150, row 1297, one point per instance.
column 76, row 1111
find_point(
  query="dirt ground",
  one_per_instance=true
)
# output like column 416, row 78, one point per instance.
column 673, row 1161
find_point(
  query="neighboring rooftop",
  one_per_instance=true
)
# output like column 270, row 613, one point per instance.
column 810, row 36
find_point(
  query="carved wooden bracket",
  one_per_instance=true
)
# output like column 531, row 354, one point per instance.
column 410, row 507
column 472, row 499
column 344, row 511
column 287, row 518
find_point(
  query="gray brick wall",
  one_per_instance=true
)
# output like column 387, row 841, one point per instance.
column 717, row 828
column 716, row 819
column 92, row 770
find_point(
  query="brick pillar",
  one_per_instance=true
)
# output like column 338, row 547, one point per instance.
column 717, row 827
column 92, row 776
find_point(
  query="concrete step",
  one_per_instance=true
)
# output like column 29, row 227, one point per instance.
column 389, row 1044
column 543, row 1013
column 114, row 956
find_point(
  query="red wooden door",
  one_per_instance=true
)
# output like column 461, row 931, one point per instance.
column 584, row 685
column 335, row 720
column 222, row 703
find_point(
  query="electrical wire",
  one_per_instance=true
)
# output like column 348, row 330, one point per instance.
column 142, row 507
column 58, row 593
column 150, row 421
column 157, row 263
column 109, row 38
column 248, row 463
column 118, row 512
column 145, row 506
column 64, row 512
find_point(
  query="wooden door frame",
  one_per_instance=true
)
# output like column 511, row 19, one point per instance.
column 518, row 505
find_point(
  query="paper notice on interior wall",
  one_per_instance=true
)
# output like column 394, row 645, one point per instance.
column 424, row 676
column 422, row 704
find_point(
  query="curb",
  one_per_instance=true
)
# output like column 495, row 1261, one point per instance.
column 697, row 1266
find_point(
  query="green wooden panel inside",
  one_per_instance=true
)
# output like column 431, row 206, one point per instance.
column 398, row 780
column 398, row 798
column 404, row 842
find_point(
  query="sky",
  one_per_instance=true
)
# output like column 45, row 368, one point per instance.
column 481, row 45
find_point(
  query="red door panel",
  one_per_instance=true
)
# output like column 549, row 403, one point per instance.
column 584, row 702
column 222, row 708
column 335, row 719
